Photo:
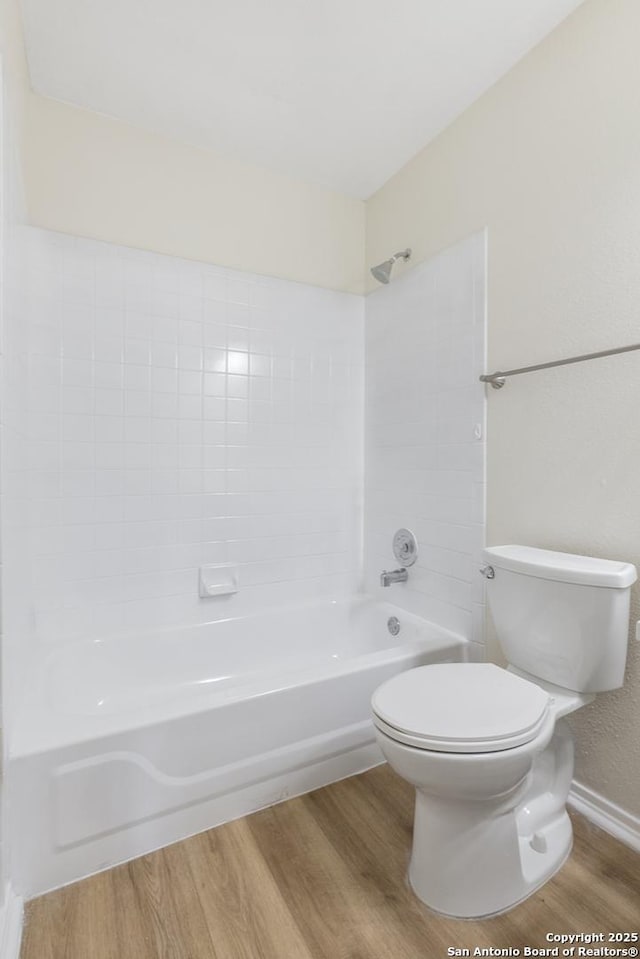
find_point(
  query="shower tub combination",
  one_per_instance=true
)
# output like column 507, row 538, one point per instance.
column 129, row 744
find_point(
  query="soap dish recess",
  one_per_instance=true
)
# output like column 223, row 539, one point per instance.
column 218, row 581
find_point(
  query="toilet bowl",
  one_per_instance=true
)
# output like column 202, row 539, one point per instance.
column 486, row 748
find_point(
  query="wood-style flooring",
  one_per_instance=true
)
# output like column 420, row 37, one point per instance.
column 319, row 877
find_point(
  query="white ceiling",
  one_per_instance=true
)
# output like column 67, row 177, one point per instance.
column 338, row 92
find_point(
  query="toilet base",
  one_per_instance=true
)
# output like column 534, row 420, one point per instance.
column 510, row 899
column 473, row 859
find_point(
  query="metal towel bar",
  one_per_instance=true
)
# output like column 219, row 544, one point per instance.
column 498, row 379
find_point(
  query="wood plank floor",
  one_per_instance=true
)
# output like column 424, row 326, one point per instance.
column 319, row 877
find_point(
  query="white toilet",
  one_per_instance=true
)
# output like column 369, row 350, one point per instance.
column 485, row 747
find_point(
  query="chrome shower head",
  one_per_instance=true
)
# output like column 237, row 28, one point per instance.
column 382, row 272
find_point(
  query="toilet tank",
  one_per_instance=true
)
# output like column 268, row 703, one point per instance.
column 560, row 617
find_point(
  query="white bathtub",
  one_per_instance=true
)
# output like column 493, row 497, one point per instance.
column 128, row 744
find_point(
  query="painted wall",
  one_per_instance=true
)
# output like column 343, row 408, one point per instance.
column 424, row 448
column 549, row 160
column 13, row 544
column 16, row 89
column 89, row 175
column 183, row 415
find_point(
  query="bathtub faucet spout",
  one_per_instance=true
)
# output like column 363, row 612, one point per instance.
column 387, row 577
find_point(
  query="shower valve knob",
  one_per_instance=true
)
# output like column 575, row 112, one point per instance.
column 405, row 547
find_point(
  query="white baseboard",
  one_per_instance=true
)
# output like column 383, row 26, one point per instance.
column 605, row 814
column 11, row 915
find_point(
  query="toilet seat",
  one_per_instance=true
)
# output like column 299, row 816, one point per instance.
column 460, row 708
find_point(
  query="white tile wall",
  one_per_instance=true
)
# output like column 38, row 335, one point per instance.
column 425, row 434
column 18, row 635
column 180, row 415
column 183, row 415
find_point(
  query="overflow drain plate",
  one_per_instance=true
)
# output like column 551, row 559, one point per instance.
column 393, row 625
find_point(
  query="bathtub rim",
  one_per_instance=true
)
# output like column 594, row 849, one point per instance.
column 39, row 728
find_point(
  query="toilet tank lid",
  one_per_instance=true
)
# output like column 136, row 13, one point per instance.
column 562, row 567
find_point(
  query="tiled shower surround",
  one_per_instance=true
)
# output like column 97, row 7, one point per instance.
column 425, row 434
column 183, row 415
